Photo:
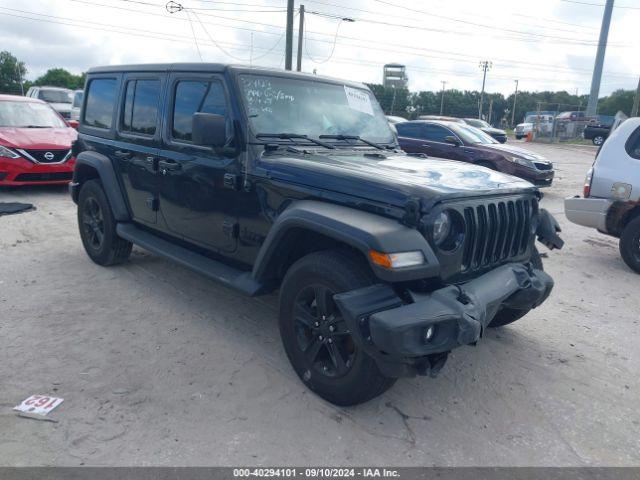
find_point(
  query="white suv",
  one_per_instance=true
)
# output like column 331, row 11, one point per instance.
column 611, row 197
column 59, row 98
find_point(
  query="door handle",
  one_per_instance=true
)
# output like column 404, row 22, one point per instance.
column 424, row 145
column 168, row 166
column 122, row 154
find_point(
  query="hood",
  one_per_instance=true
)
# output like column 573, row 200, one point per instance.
column 525, row 125
column 391, row 176
column 495, row 131
column 61, row 107
column 37, row 138
column 521, row 152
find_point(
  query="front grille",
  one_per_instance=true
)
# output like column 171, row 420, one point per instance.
column 497, row 232
column 519, row 129
column 48, row 156
column 44, row 177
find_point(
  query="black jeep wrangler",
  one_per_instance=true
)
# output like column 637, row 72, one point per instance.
column 266, row 179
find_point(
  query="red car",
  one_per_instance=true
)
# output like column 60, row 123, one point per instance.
column 35, row 143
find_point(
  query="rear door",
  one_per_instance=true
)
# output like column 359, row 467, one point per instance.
column 198, row 196
column 137, row 142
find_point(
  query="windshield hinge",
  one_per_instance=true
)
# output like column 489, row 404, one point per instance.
column 411, row 216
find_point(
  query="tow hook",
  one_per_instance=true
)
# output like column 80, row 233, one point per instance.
column 547, row 231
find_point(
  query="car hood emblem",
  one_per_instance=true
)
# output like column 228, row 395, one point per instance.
column 49, row 156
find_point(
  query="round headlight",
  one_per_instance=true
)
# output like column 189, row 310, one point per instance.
column 441, row 227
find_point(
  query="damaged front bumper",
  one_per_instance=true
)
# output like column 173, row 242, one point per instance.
column 413, row 338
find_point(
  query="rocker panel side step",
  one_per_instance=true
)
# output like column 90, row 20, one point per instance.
column 232, row 277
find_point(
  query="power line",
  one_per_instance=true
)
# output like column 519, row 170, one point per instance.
column 390, row 15
column 600, row 4
column 503, row 62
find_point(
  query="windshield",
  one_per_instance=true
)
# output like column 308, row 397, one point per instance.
column 55, row 96
column 477, row 123
column 77, row 99
column 471, row 134
column 305, row 107
column 534, row 119
column 29, row 114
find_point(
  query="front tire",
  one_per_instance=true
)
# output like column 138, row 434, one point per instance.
column 98, row 227
column 316, row 337
column 510, row 315
column 630, row 244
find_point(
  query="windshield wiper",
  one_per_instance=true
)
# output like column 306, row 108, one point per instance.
column 33, row 126
column 354, row 137
column 295, row 136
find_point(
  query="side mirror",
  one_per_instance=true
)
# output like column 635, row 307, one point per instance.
column 452, row 140
column 73, row 123
column 209, row 130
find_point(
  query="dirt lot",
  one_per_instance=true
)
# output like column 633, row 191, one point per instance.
column 160, row 366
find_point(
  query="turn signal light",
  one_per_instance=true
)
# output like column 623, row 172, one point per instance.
column 396, row 260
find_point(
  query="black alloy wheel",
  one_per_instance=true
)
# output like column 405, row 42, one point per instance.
column 321, row 332
column 93, row 223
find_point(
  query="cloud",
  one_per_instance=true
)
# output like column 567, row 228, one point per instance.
column 551, row 47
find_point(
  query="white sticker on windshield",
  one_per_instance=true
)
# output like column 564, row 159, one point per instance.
column 358, row 100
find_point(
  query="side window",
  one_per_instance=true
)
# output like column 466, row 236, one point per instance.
column 633, row 144
column 410, row 130
column 140, row 113
column 101, row 99
column 436, row 133
column 195, row 96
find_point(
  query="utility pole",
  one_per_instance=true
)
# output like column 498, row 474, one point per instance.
column 592, row 106
column 288, row 54
column 490, row 110
column 484, row 65
column 442, row 97
column 513, row 113
column 636, row 100
column 300, row 39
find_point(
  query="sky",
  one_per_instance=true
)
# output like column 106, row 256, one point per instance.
column 545, row 45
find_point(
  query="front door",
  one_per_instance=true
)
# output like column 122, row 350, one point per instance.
column 197, row 184
column 137, row 144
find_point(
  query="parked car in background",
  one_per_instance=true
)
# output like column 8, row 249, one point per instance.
column 35, row 143
column 499, row 135
column 393, row 119
column 60, row 99
column 571, row 116
column 535, row 123
column 610, row 201
column 441, row 118
column 596, row 132
column 265, row 179
column 468, row 144
column 78, row 95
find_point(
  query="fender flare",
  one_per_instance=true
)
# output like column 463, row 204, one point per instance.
column 104, row 168
column 361, row 230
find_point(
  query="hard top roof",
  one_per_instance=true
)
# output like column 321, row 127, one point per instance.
column 216, row 68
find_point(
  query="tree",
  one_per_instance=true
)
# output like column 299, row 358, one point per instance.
column 12, row 73
column 59, row 77
column 620, row 100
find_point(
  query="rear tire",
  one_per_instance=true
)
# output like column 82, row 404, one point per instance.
column 315, row 336
column 630, row 244
column 598, row 140
column 510, row 315
column 98, row 227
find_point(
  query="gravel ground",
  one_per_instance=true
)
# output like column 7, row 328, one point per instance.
column 160, row 366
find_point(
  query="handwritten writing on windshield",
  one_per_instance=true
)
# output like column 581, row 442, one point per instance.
column 261, row 96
